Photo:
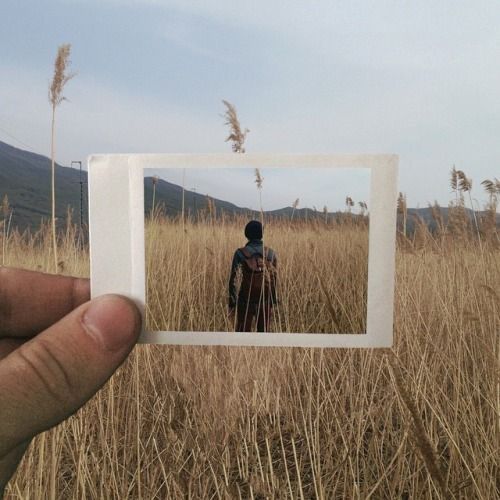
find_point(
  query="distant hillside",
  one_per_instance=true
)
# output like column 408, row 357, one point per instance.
column 25, row 178
column 170, row 196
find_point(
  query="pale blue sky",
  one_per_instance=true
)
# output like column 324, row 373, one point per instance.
column 420, row 79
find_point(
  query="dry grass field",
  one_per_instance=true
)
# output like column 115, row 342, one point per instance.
column 322, row 275
column 421, row 420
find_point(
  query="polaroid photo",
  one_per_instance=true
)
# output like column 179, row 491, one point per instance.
column 248, row 249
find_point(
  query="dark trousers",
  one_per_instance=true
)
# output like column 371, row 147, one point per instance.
column 247, row 311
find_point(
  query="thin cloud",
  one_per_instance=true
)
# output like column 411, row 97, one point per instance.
column 417, row 80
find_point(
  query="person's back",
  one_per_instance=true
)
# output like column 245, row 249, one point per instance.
column 258, row 278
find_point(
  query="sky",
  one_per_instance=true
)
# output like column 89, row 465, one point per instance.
column 281, row 187
column 417, row 79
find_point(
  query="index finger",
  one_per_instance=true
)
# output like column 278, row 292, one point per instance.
column 30, row 301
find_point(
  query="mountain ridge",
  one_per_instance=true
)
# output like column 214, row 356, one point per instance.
column 25, row 177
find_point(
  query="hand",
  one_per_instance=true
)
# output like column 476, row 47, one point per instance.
column 56, row 351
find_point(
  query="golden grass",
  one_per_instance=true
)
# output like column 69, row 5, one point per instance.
column 418, row 421
column 322, row 276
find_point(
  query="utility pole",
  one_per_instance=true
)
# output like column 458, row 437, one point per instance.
column 81, row 192
column 194, row 200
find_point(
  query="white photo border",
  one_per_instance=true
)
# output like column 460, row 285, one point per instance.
column 117, row 253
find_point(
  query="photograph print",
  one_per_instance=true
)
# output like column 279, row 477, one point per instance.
column 257, row 250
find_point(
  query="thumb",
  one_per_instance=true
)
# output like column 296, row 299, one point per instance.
column 51, row 376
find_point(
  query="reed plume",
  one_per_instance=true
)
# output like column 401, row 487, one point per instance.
column 465, row 186
column 488, row 221
column 295, row 204
column 464, row 183
column 237, row 135
column 363, row 206
column 259, row 180
column 492, row 187
column 454, row 179
column 349, row 202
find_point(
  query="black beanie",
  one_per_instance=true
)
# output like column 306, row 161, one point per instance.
column 253, row 230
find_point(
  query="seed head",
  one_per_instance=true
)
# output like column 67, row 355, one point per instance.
column 258, row 179
column 491, row 187
column 464, row 183
column 236, row 135
column 454, row 178
column 61, row 76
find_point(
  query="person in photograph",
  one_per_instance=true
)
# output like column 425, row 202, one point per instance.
column 254, row 269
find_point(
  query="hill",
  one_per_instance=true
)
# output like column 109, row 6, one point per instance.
column 25, row 177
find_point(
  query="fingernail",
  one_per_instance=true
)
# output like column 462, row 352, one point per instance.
column 112, row 320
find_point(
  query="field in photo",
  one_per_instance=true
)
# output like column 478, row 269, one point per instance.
column 322, row 280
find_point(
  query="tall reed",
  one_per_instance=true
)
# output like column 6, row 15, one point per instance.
column 59, row 80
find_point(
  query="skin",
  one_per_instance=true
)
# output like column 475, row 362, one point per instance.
column 57, row 349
